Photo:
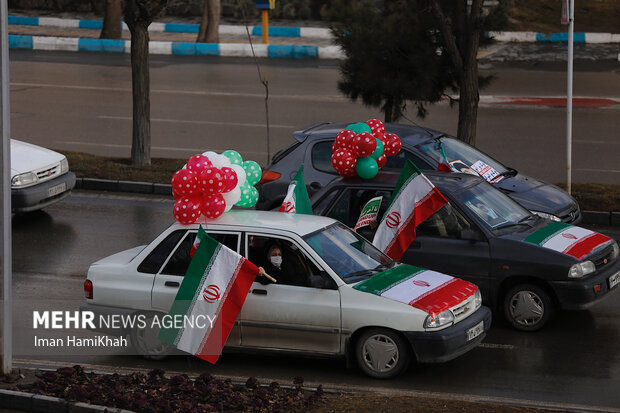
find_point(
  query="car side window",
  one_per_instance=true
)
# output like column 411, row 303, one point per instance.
column 153, row 262
column 321, row 156
column 445, row 223
column 398, row 161
column 180, row 259
column 293, row 267
column 348, row 207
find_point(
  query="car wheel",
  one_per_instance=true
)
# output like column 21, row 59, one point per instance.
column 382, row 353
column 528, row 307
column 145, row 342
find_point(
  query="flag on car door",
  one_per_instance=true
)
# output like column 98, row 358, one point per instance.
column 214, row 289
column 414, row 200
column 297, row 200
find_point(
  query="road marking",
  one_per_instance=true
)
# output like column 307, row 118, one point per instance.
column 615, row 171
column 336, row 387
column 595, row 142
column 201, row 122
column 162, row 148
column 497, row 346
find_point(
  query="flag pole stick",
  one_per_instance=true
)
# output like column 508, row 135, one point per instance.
column 261, row 271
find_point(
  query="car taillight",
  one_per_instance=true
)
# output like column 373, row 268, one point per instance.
column 269, row 176
column 88, row 289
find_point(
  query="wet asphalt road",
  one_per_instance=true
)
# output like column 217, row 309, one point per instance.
column 575, row 363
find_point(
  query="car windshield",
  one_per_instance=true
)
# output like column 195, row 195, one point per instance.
column 492, row 206
column 461, row 156
column 349, row 255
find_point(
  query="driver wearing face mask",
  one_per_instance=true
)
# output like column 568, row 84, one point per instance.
column 273, row 266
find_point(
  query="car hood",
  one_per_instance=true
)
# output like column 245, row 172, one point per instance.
column 537, row 195
column 26, row 157
column 120, row 258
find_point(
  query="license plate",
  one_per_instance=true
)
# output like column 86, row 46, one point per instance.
column 614, row 280
column 58, row 189
column 475, row 331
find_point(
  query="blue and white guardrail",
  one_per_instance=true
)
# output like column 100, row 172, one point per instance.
column 175, row 48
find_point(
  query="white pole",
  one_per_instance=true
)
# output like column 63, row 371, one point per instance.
column 569, row 96
column 5, row 201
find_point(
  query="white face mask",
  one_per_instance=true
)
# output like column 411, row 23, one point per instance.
column 276, row 260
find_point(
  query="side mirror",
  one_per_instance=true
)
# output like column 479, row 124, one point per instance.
column 471, row 235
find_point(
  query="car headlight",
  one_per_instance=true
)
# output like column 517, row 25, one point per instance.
column 439, row 320
column 581, row 269
column 615, row 251
column 546, row 216
column 28, row 178
column 64, row 166
column 477, row 300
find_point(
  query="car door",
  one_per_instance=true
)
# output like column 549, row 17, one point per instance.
column 170, row 275
column 290, row 314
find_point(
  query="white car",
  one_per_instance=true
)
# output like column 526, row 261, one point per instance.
column 39, row 177
column 321, row 314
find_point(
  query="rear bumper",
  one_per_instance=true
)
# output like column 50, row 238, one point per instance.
column 111, row 315
column 38, row 196
column 441, row 346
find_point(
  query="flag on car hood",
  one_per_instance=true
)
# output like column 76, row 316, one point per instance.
column 570, row 240
column 297, row 200
column 414, row 199
column 214, row 288
column 429, row 291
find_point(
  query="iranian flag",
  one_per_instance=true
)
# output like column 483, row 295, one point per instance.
column 429, row 291
column 574, row 241
column 414, row 200
column 297, row 200
column 444, row 165
column 214, row 288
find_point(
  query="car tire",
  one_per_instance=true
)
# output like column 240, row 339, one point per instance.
column 381, row 353
column 145, row 342
column 528, row 307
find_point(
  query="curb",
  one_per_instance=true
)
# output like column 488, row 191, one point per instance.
column 29, row 402
column 589, row 217
column 68, row 44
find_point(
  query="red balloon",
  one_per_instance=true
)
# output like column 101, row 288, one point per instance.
column 393, row 144
column 376, row 126
column 198, row 163
column 212, row 181
column 185, row 183
column 381, row 137
column 187, row 209
column 213, row 205
column 344, row 139
column 230, row 177
column 381, row 161
column 364, row 144
column 348, row 173
column 343, row 160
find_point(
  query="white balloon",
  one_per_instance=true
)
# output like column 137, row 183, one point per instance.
column 241, row 176
column 232, row 198
column 220, row 161
column 209, row 154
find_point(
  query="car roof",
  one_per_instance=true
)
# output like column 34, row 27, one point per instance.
column 410, row 134
column 448, row 182
column 301, row 224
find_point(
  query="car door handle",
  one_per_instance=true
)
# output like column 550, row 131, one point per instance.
column 416, row 244
column 259, row 291
column 171, row 284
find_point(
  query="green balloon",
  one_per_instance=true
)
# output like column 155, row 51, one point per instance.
column 351, row 127
column 379, row 151
column 253, row 197
column 233, row 156
column 253, row 172
column 363, row 128
column 366, row 168
column 246, row 193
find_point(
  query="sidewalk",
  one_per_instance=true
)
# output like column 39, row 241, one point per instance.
column 52, row 33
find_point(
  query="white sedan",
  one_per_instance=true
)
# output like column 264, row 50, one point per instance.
column 320, row 303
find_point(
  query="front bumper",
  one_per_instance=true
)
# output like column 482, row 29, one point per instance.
column 447, row 344
column 111, row 315
column 38, row 196
column 581, row 294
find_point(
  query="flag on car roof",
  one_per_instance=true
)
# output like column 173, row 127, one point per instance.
column 297, row 199
column 414, row 200
column 215, row 287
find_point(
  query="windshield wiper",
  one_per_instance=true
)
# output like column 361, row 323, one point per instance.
column 522, row 221
column 360, row 273
column 509, row 172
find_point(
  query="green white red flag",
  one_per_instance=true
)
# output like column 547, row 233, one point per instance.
column 215, row 286
column 429, row 291
column 297, row 199
column 570, row 240
column 414, row 200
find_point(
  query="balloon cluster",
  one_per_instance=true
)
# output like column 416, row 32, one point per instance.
column 211, row 183
column 362, row 149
